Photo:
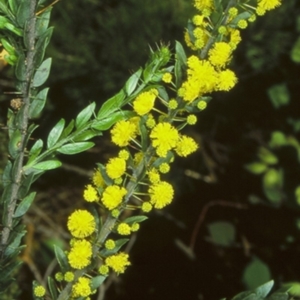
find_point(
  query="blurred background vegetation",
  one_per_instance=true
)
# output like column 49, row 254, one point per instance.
column 235, row 221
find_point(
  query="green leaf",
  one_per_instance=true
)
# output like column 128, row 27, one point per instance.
column 267, row 156
column 41, row 46
column 256, row 273
column 86, row 135
column 68, row 129
column 97, row 281
column 52, row 288
column 106, row 123
column 256, row 167
column 243, row 16
column 42, row 73
column 47, row 165
column 38, row 103
column 180, row 63
column 61, row 259
column 295, row 53
column 20, row 70
column 6, row 176
column 111, row 105
column 222, row 233
column 25, row 186
column 85, row 115
column 55, row 133
column 15, row 241
column 75, row 148
column 243, row 295
column 42, row 22
column 35, row 150
column 293, row 288
column 14, row 143
column 13, row 6
column 279, row 296
column 272, row 178
column 279, row 95
column 133, row 81
column 135, row 219
column 264, row 290
column 24, row 205
column 278, row 139
column 23, row 13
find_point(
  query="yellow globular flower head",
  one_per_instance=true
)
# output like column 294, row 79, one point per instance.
column 204, row 4
column 235, row 38
column 82, row 288
column 103, row 270
column 90, row 194
column 146, row 207
column 188, row 41
column 80, row 254
column 110, row 244
column 153, row 175
column 260, row 11
column 172, row 104
column 69, row 276
column 227, row 80
column 81, row 223
column 122, row 132
column 191, row 119
column 161, row 194
column 135, row 227
column 233, row 11
column 220, row 54
column 242, row 24
column 167, row 77
column 112, row 196
column 164, row 137
column 198, row 20
column 116, row 167
column 59, row 276
column 124, row 229
column 164, row 168
column 201, row 105
column 39, row 291
column 202, row 78
column 124, row 154
column 186, row 146
column 144, row 102
column 150, row 123
column 222, row 30
column 118, row 262
column 97, row 179
column 138, row 157
column 268, row 4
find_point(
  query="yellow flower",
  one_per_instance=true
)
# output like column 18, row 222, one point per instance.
column 191, row 119
column 39, row 291
column 204, row 4
column 186, row 146
column 135, row 227
column 113, row 196
column 110, row 244
column 118, row 262
column 164, row 168
column 80, row 254
column 116, row 167
column 82, row 288
column 164, row 137
column 202, row 78
column 227, row 80
column 103, row 270
column 167, row 77
column 59, row 276
column 201, row 105
column 172, row 104
column 69, row 276
column 220, row 54
column 235, row 38
column 97, row 179
column 153, row 175
column 161, row 194
column 188, row 41
column 124, row 154
column 90, row 194
column 124, row 229
column 198, row 20
column 122, row 132
column 144, row 102
column 242, row 24
column 268, row 4
column 81, row 223
column 146, row 207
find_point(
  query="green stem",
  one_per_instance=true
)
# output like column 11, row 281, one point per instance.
column 24, row 120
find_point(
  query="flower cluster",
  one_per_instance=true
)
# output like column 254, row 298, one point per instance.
column 150, row 139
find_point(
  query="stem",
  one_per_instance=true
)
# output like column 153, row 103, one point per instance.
column 24, row 120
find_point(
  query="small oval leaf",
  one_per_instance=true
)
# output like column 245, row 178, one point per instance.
column 75, row 148
column 42, row 73
column 55, row 133
column 47, row 165
column 24, row 205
